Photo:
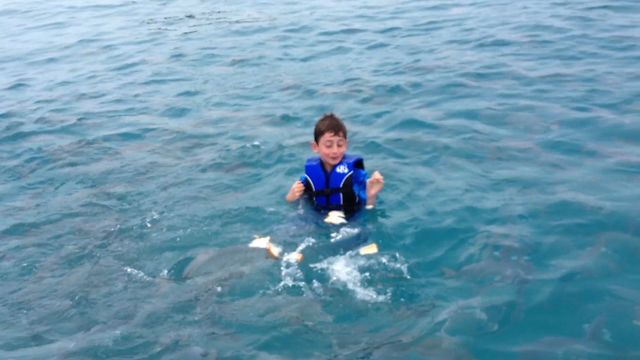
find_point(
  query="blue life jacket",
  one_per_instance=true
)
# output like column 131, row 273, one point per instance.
column 334, row 190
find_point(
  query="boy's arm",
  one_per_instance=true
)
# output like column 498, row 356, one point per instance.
column 374, row 185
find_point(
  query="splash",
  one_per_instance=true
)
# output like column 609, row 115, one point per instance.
column 344, row 233
column 346, row 271
column 396, row 263
column 290, row 273
column 137, row 273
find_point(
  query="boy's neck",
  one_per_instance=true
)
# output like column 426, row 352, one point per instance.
column 328, row 168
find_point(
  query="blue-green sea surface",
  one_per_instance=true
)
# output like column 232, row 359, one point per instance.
column 143, row 145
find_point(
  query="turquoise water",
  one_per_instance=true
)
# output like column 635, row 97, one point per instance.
column 144, row 144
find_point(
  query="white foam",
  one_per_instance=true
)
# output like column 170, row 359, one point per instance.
column 345, row 270
column 290, row 274
column 289, row 271
column 137, row 273
column 344, row 233
column 397, row 264
column 308, row 241
column 317, row 287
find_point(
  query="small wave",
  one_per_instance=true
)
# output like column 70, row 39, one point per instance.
column 17, row 86
column 335, row 51
column 348, row 31
column 176, row 112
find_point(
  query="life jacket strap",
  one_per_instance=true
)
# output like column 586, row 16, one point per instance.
column 327, row 192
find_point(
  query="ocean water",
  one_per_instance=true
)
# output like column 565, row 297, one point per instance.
column 143, row 145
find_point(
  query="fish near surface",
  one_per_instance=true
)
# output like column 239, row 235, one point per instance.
column 221, row 264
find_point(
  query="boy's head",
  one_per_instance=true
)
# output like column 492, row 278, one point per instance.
column 329, row 123
column 330, row 140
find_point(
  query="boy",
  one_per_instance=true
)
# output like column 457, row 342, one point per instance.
column 335, row 180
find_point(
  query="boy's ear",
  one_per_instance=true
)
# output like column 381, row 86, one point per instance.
column 314, row 146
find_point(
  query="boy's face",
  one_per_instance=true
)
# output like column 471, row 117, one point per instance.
column 331, row 148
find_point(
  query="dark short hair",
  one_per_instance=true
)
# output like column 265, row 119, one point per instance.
column 329, row 123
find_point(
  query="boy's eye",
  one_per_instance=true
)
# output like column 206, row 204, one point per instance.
column 331, row 143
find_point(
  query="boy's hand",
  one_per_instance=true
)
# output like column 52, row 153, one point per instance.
column 374, row 185
column 297, row 189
